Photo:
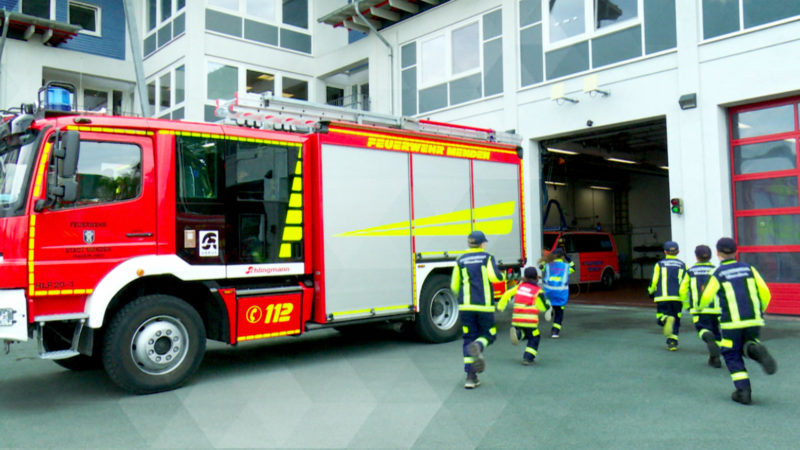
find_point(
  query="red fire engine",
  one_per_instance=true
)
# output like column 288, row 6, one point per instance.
column 128, row 242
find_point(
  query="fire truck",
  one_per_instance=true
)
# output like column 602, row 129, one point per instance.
column 126, row 243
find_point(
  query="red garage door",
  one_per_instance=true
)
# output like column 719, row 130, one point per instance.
column 766, row 205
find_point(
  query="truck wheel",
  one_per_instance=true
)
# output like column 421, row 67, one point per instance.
column 57, row 336
column 607, row 279
column 438, row 319
column 154, row 344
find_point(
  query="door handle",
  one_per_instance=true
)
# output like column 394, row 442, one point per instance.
column 138, row 235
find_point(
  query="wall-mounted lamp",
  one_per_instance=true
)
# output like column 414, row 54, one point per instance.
column 688, row 101
column 557, row 94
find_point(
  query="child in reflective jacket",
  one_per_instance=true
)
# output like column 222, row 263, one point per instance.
column 529, row 301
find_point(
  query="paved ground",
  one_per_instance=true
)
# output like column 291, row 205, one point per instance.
column 607, row 383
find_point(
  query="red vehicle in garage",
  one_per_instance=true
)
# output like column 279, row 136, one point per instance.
column 594, row 254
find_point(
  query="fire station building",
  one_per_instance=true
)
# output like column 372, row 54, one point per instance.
column 653, row 120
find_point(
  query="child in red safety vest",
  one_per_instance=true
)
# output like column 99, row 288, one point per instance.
column 529, row 301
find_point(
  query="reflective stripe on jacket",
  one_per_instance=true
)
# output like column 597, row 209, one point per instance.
column 472, row 279
column 529, row 300
column 692, row 288
column 667, row 277
column 743, row 295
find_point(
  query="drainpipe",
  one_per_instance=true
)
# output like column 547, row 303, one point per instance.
column 386, row 43
column 133, row 34
column 2, row 47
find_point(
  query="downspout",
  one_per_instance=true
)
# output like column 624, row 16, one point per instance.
column 386, row 43
column 2, row 47
column 133, row 34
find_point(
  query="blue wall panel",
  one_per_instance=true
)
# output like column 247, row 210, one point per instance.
column 111, row 43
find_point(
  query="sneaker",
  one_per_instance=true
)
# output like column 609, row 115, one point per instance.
column 527, row 362
column 713, row 348
column 672, row 346
column 474, row 350
column 759, row 353
column 714, row 361
column 514, row 336
column 472, row 381
column 555, row 333
column 742, row 396
column 669, row 322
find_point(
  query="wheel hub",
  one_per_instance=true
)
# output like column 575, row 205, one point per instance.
column 444, row 309
column 159, row 345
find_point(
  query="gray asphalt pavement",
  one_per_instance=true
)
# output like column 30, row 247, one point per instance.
column 607, row 383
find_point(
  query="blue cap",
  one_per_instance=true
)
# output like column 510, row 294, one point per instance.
column 726, row 245
column 531, row 273
column 476, row 238
column 702, row 251
column 670, row 246
column 558, row 251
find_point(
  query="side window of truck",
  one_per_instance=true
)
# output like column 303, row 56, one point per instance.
column 107, row 172
column 198, row 168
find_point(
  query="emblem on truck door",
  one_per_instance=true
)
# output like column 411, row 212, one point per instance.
column 209, row 243
column 88, row 236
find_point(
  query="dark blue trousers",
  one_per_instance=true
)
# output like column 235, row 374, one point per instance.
column 558, row 317
column 666, row 309
column 480, row 327
column 733, row 343
column 533, row 337
column 708, row 322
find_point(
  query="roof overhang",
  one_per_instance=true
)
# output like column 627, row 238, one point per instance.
column 23, row 26
column 378, row 13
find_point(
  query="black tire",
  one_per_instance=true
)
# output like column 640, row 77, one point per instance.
column 142, row 352
column 607, row 280
column 438, row 319
column 58, row 336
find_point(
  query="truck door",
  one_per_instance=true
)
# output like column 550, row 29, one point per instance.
column 114, row 219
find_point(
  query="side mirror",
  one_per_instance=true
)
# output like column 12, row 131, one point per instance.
column 67, row 153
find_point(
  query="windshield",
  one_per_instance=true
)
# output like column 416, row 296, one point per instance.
column 17, row 155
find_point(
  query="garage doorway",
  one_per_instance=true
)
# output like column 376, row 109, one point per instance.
column 613, row 180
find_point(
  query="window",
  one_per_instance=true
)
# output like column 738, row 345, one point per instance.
column 222, row 81
column 95, row 100
column 293, row 88
column 722, row 17
column 107, row 172
column 466, row 49
column 164, row 20
column 85, row 16
column 198, row 169
column 288, row 12
column 260, row 82
column 569, row 21
column 46, row 9
column 765, row 178
column 166, row 93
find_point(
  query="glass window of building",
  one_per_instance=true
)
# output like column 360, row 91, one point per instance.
column 466, row 49
column 721, row 17
column 434, row 53
column 295, row 12
column 611, row 12
column 567, row 19
column 260, row 82
column 232, row 5
column 94, row 100
column 294, row 88
column 222, row 81
column 38, row 8
column 766, row 201
column 165, row 91
column 85, row 16
column 261, row 9
column 180, row 83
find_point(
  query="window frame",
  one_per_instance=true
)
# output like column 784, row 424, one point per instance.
column 742, row 29
column 98, row 17
column 52, row 8
column 241, row 10
column 160, row 19
column 448, row 53
column 590, row 26
column 174, row 105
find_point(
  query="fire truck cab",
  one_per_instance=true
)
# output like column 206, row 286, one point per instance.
column 126, row 243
